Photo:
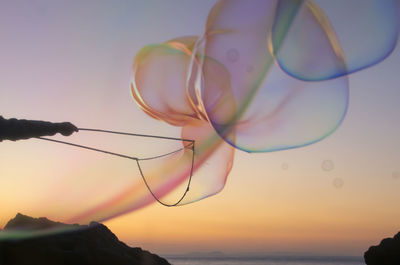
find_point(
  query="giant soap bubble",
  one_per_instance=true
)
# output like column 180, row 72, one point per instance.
column 263, row 76
column 366, row 31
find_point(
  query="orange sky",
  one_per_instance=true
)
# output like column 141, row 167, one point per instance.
column 264, row 207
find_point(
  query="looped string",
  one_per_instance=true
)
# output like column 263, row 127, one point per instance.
column 187, row 146
column 187, row 188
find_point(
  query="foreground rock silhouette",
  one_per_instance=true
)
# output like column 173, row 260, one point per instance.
column 386, row 253
column 94, row 244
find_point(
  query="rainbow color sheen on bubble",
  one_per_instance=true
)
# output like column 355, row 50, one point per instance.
column 365, row 30
column 263, row 76
column 172, row 97
column 270, row 110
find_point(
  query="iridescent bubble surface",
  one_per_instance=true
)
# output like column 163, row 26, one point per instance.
column 247, row 78
column 171, row 97
column 262, row 76
column 366, row 31
column 270, row 110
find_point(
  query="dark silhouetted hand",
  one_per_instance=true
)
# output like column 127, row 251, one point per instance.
column 67, row 128
column 14, row 129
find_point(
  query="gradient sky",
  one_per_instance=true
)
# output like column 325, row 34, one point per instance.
column 71, row 61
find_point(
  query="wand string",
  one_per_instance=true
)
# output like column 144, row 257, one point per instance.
column 190, row 145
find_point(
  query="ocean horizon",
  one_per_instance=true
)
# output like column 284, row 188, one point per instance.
column 266, row 260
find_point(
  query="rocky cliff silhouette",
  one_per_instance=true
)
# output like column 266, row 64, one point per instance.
column 94, row 244
column 386, row 253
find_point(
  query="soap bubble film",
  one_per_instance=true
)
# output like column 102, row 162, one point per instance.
column 338, row 183
column 269, row 110
column 327, row 165
column 171, row 64
column 261, row 76
column 366, row 31
column 271, row 81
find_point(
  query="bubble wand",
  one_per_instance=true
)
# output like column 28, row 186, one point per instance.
column 15, row 129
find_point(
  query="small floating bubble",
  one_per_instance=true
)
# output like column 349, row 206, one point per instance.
column 285, row 166
column 327, row 165
column 338, row 183
column 233, row 55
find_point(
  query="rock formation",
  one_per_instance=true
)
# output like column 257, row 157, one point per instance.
column 94, row 244
column 386, row 253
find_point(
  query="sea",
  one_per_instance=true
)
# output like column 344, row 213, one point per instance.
column 266, row 260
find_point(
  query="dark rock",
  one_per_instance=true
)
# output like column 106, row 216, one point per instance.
column 386, row 253
column 93, row 244
column 24, row 222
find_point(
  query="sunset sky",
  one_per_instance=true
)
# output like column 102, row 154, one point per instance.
column 72, row 61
